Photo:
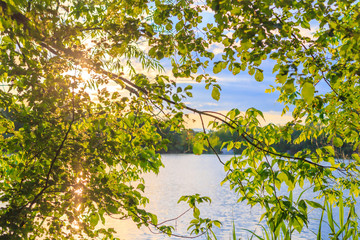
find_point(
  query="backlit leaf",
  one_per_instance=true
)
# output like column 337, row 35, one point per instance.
column 307, row 92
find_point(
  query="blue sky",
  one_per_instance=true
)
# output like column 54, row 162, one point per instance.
column 241, row 91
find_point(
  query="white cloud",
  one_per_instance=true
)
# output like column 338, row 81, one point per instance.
column 236, row 79
column 308, row 32
column 216, row 48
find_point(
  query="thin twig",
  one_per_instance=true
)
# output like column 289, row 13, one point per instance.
column 174, row 219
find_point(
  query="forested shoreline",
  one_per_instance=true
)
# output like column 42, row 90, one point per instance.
column 183, row 142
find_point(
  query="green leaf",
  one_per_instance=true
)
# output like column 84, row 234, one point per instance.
column 337, row 142
column 282, row 177
column 298, row 224
column 233, row 231
column 307, row 92
column 259, row 76
column 302, row 207
column 217, row 224
column 94, row 219
column 289, row 86
column 215, row 94
column 269, row 189
column 330, row 150
column 196, row 212
column 305, row 24
column 227, row 166
column 179, row 25
column 251, row 70
column 182, row 199
column 237, row 68
column 188, row 87
column 159, row 55
column 198, row 148
column 219, row 66
column 189, row 94
column 153, row 218
column 356, row 157
column 230, row 145
column 141, row 187
column 314, row 204
column 112, row 209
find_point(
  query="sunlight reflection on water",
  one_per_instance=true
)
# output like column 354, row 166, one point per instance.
column 191, row 174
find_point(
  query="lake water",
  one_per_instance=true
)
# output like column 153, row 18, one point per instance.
column 191, row 174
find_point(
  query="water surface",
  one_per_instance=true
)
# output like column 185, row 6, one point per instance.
column 190, row 174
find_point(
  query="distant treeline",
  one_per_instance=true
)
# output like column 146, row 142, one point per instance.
column 182, row 142
column 179, row 142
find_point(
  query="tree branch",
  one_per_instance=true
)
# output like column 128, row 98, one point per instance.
column 49, row 172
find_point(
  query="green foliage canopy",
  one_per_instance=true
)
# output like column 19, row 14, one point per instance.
column 71, row 142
